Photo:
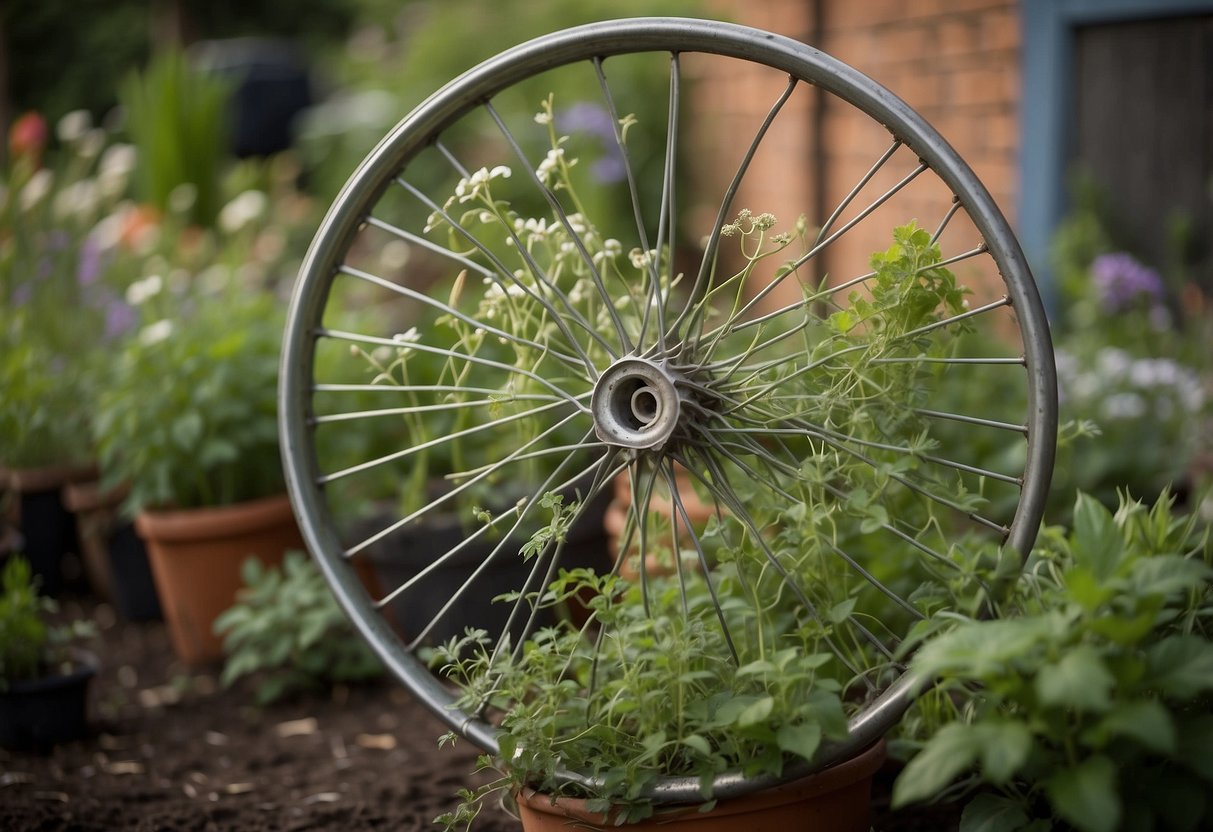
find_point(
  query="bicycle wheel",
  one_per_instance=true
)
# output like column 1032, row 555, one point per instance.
column 541, row 283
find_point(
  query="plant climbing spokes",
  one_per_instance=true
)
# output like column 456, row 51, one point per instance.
column 541, row 295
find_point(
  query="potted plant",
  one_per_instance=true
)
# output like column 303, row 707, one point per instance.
column 60, row 310
column 187, row 422
column 753, row 658
column 43, row 683
column 1086, row 704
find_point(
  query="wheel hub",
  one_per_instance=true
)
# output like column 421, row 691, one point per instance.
column 636, row 404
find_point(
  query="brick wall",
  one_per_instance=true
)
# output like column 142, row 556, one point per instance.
column 954, row 61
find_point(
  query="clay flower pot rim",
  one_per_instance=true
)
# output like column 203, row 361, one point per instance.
column 88, row 495
column 838, row 776
column 47, row 477
column 212, row 522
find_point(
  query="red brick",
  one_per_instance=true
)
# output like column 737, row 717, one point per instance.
column 1000, row 29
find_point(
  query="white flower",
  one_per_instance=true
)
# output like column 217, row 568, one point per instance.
column 36, row 189
column 473, row 186
column 153, row 334
column 395, row 255
column 549, row 164
column 92, row 142
column 409, row 336
column 144, row 290
column 73, row 125
column 1124, row 406
column 245, row 208
column 117, row 160
column 78, row 199
column 182, row 198
column 543, row 118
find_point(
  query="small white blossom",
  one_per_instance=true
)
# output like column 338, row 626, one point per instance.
column 409, row 336
column 79, row 199
column 141, row 291
column 543, row 118
column 182, row 198
column 36, row 189
column 153, row 334
column 395, row 255
column 549, row 165
column 73, row 125
column 244, row 208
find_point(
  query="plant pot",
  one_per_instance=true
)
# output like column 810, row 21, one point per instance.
column 401, row 556
column 94, row 509
column 834, row 800
column 615, row 523
column 48, row 529
column 134, row 587
column 196, row 556
column 36, row 714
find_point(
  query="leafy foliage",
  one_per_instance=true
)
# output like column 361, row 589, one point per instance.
column 1087, row 706
column 28, row 645
column 287, row 628
column 189, row 416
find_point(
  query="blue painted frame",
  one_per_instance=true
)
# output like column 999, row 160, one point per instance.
column 1047, row 28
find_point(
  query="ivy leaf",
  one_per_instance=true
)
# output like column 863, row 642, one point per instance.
column 992, row 813
column 1086, row 795
column 803, row 739
column 1096, row 542
column 953, row 749
column 1080, row 680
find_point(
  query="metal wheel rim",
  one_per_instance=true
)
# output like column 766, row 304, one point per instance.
column 604, row 40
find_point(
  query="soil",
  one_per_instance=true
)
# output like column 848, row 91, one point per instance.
column 172, row 749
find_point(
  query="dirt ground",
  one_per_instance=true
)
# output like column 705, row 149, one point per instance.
column 170, row 749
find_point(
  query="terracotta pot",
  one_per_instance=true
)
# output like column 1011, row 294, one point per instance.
column 615, row 522
column 834, row 800
column 36, row 714
column 95, row 511
column 48, row 530
column 196, row 556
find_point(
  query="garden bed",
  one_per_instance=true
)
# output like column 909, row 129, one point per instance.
column 170, row 749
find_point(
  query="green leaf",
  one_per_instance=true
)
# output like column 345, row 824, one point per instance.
column 803, row 739
column 1005, row 746
column 993, row 813
column 953, row 749
column 1096, row 543
column 1080, row 680
column 1147, row 721
column 756, row 713
column 1182, row 666
column 1086, row 795
column 698, row 743
column 1196, row 745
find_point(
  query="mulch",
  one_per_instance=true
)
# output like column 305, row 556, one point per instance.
column 172, row 749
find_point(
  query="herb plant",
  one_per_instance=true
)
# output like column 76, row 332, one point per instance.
column 29, row 646
column 288, row 631
column 1086, row 705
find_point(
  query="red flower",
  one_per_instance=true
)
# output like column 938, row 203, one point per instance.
column 27, row 137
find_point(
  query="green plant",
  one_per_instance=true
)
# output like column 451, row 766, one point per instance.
column 29, row 646
column 60, row 308
column 188, row 417
column 287, row 629
column 751, row 657
column 1086, row 705
column 177, row 119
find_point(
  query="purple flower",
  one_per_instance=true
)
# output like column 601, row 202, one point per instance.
column 89, row 267
column 596, row 121
column 1121, row 282
column 22, row 294
column 119, row 318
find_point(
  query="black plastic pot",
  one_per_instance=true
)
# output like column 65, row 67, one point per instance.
column 133, row 587
column 48, row 532
column 37, row 714
column 401, row 556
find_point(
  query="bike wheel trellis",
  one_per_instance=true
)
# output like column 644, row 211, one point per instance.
column 669, row 384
